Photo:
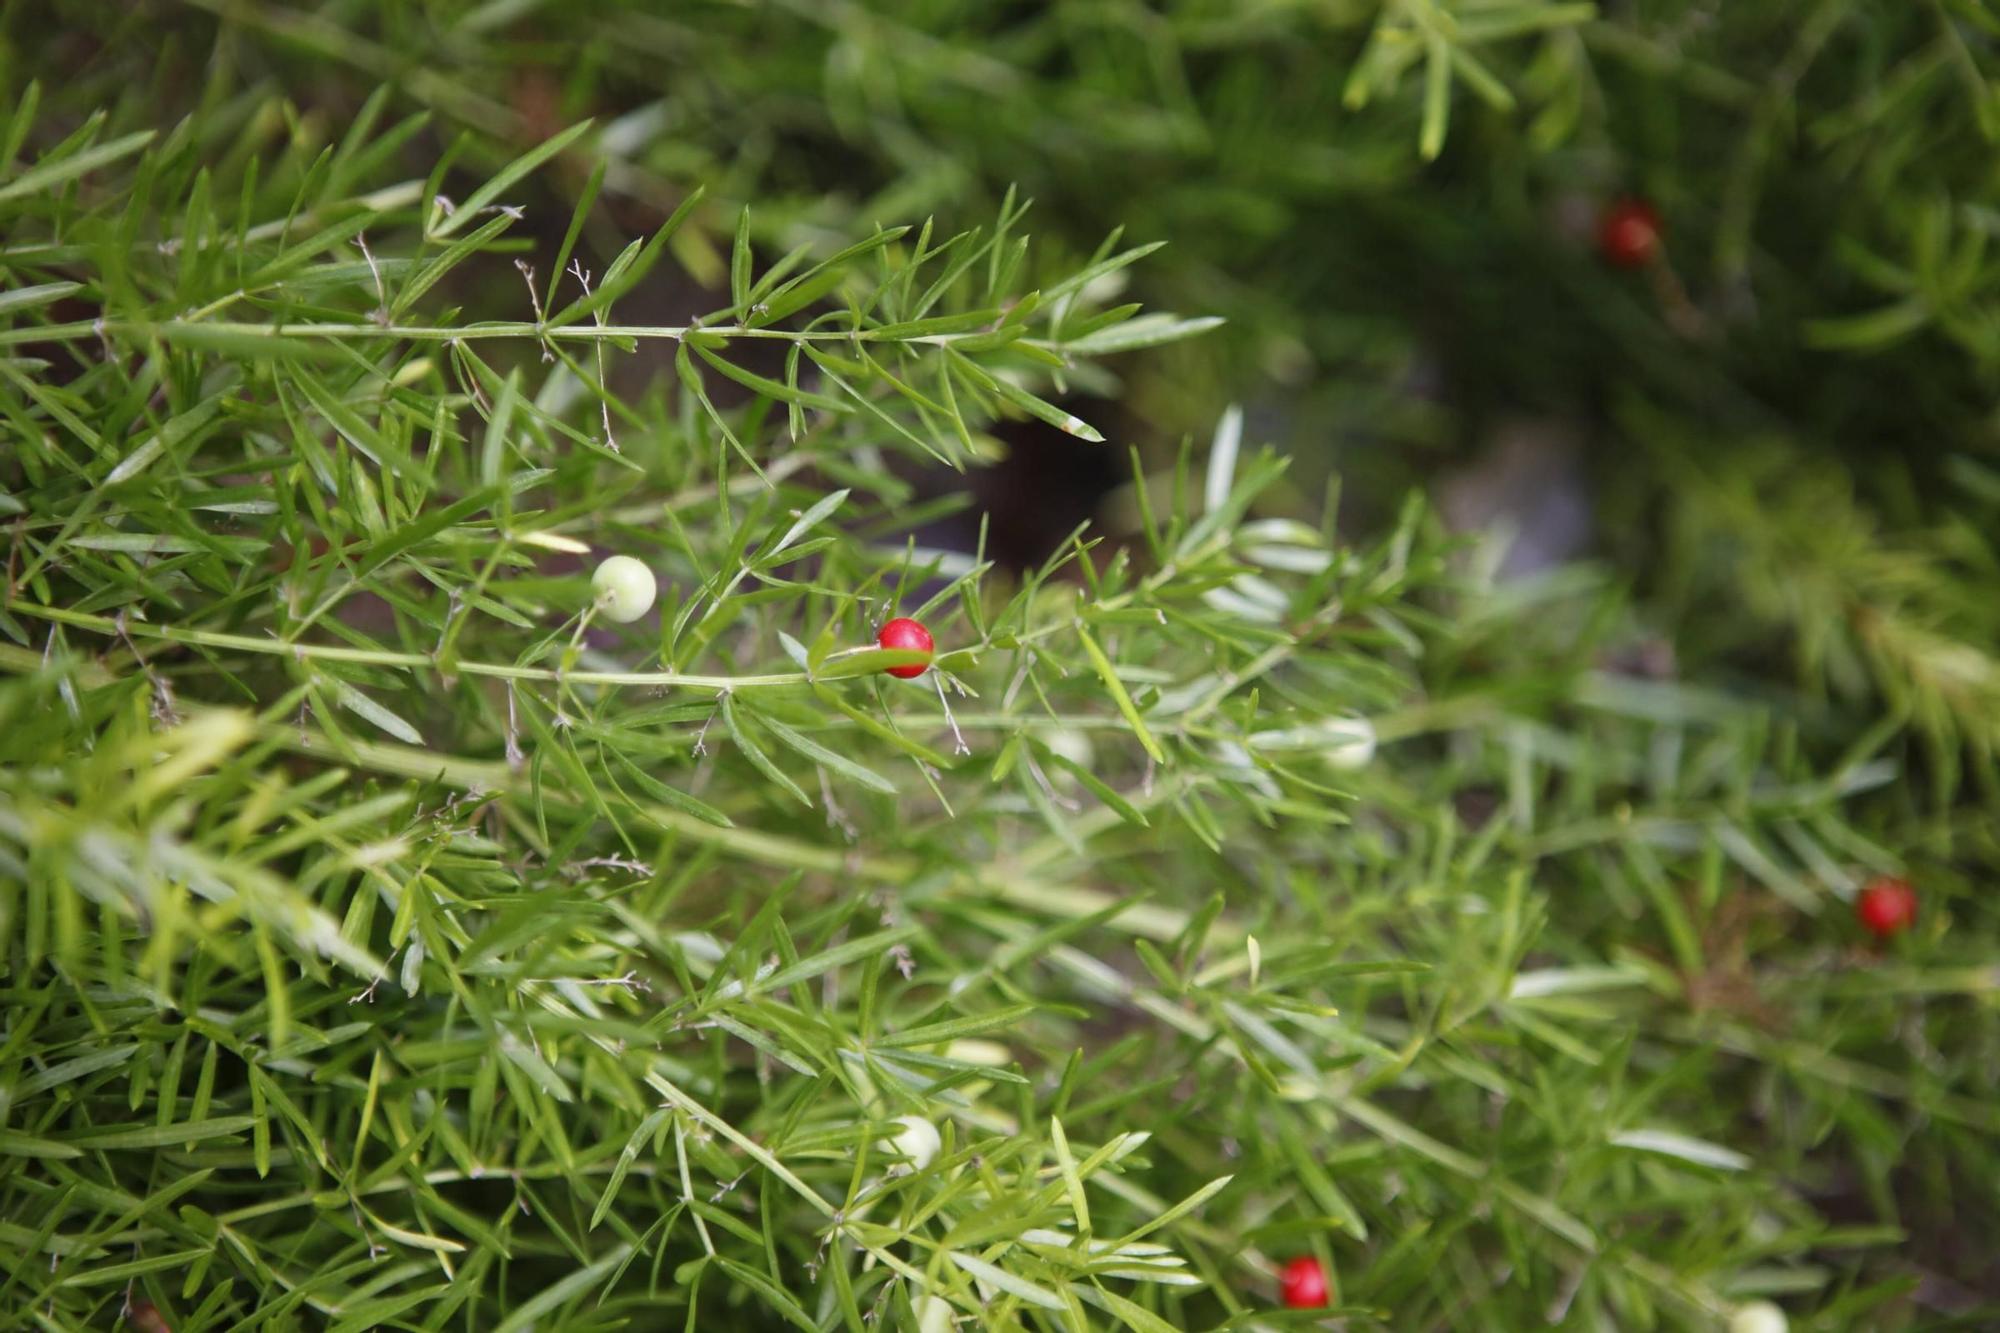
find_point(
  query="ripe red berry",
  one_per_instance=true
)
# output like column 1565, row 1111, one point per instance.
column 1886, row 906
column 1303, row 1283
column 1629, row 234
column 903, row 632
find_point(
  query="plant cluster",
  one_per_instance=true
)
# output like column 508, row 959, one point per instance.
column 508, row 819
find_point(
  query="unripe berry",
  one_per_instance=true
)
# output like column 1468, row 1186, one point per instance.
column 1886, row 906
column 1758, row 1317
column 933, row 1315
column 903, row 632
column 1302, row 1283
column 624, row 588
column 1351, row 743
column 1629, row 235
column 917, row 1140
column 1072, row 745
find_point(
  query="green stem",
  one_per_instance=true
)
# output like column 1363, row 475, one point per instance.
column 579, row 332
column 326, row 652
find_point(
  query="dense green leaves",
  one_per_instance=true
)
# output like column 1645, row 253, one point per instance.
column 383, row 946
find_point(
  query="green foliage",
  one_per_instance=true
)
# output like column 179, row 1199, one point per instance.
column 386, row 941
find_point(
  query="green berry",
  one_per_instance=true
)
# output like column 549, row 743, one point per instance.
column 933, row 1315
column 1758, row 1317
column 625, row 589
column 917, row 1139
column 1351, row 743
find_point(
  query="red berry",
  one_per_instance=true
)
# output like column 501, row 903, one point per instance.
column 1886, row 906
column 1303, row 1283
column 903, row 632
column 1629, row 235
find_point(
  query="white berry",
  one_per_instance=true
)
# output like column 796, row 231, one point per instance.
column 1350, row 742
column 917, row 1140
column 1758, row 1317
column 1074, row 746
column 933, row 1315
column 625, row 589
